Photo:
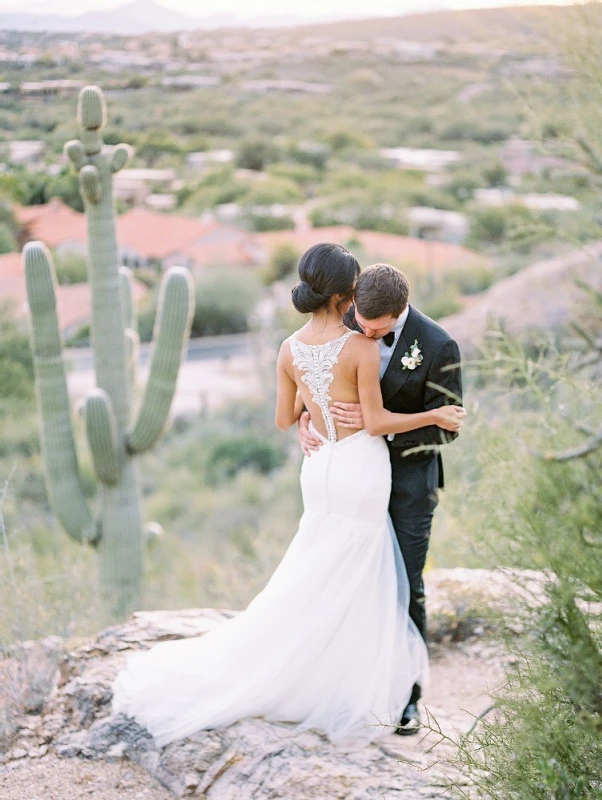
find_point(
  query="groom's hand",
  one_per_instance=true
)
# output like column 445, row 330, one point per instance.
column 309, row 442
column 348, row 415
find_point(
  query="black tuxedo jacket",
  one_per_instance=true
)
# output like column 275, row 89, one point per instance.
column 437, row 381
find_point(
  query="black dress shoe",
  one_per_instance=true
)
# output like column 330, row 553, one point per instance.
column 409, row 724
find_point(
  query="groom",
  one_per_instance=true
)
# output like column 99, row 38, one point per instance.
column 420, row 370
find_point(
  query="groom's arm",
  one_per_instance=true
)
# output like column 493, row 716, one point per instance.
column 443, row 387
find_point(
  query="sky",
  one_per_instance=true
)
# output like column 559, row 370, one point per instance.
column 255, row 8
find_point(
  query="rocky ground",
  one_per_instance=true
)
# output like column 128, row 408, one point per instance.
column 60, row 741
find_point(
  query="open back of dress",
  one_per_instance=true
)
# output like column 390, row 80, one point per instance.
column 318, row 368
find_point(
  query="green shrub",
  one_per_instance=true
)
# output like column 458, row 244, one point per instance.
column 302, row 174
column 224, row 302
column 16, row 363
column 71, row 267
column 273, row 191
column 228, row 455
column 154, row 144
column 537, row 505
column 488, row 226
column 8, row 241
column 441, row 303
column 266, row 222
column 314, row 154
column 282, row 264
column 14, row 379
column 343, row 139
column 256, row 153
column 473, row 279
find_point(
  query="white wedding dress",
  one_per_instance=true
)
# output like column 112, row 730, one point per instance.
column 328, row 643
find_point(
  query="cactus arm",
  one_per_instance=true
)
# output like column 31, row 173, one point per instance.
column 101, row 428
column 132, row 348
column 130, row 325
column 91, row 115
column 126, row 293
column 121, row 156
column 172, row 329
column 74, row 150
column 58, row 446
column 153, row 532
column 90, row 185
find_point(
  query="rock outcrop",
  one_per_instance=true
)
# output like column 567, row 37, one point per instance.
column 541, row 297
column 64, row 710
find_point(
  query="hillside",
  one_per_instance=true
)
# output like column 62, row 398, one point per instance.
column 541, row 297
column 509, row 24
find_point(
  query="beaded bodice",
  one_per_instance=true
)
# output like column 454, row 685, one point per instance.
column 315, row 362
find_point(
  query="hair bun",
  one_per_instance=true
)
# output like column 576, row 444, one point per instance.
column 306, row 299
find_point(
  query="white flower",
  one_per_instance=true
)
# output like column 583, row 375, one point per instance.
column 412, row 359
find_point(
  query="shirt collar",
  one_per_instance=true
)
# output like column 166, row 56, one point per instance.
column 401, row 321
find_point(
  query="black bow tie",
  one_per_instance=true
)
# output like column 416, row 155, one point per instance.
column 389, row 338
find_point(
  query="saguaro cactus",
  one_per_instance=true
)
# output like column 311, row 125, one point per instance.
column 115, row 435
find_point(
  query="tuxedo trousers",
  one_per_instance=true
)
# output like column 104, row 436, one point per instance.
column 414, row 497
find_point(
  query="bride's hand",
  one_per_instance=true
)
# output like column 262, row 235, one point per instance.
column 450, row 418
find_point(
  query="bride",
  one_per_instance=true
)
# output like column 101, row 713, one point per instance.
column 328, row 643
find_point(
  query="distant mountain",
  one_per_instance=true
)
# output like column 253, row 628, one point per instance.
column 141, row 16
column 136, row 17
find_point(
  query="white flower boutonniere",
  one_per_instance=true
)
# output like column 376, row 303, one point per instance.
column 412, row 359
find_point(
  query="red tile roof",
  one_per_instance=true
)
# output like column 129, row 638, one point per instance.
column 156, row 235
column 73, row 301
column 52, row 223
column 399, row 250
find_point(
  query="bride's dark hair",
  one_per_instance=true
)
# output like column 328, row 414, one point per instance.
column 325, row 270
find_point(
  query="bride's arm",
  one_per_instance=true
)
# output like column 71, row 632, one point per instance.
column 379, row 421
column 289, row 403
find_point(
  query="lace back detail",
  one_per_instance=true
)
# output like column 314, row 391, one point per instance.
column 315, row 362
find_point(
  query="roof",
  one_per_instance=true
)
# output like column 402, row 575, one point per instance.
column 52, row 223
column 399, row 250
column 73, row 301
column 156, row 235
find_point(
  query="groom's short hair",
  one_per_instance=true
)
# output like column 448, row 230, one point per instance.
column 381, row 291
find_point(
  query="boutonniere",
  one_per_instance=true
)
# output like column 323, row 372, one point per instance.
column 412, row 359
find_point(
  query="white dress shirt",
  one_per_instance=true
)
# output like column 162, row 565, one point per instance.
column 387, row 352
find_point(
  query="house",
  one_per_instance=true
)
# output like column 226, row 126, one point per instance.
column 134, row 185
column 411, row 51
column 401, row 251
column 28, row 152
column 187, row 82
column 202, row 159
column 295, row 87
column 148, row 238
column 520, row 158
column 433, row 223
column 421, row 159
column 47, row 88
column 538, row 201
column 73, row 302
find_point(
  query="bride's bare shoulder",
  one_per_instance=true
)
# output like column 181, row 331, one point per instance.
column 284, row 354
column 363, row 347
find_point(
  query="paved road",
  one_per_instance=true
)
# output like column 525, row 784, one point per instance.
column 200, row 349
